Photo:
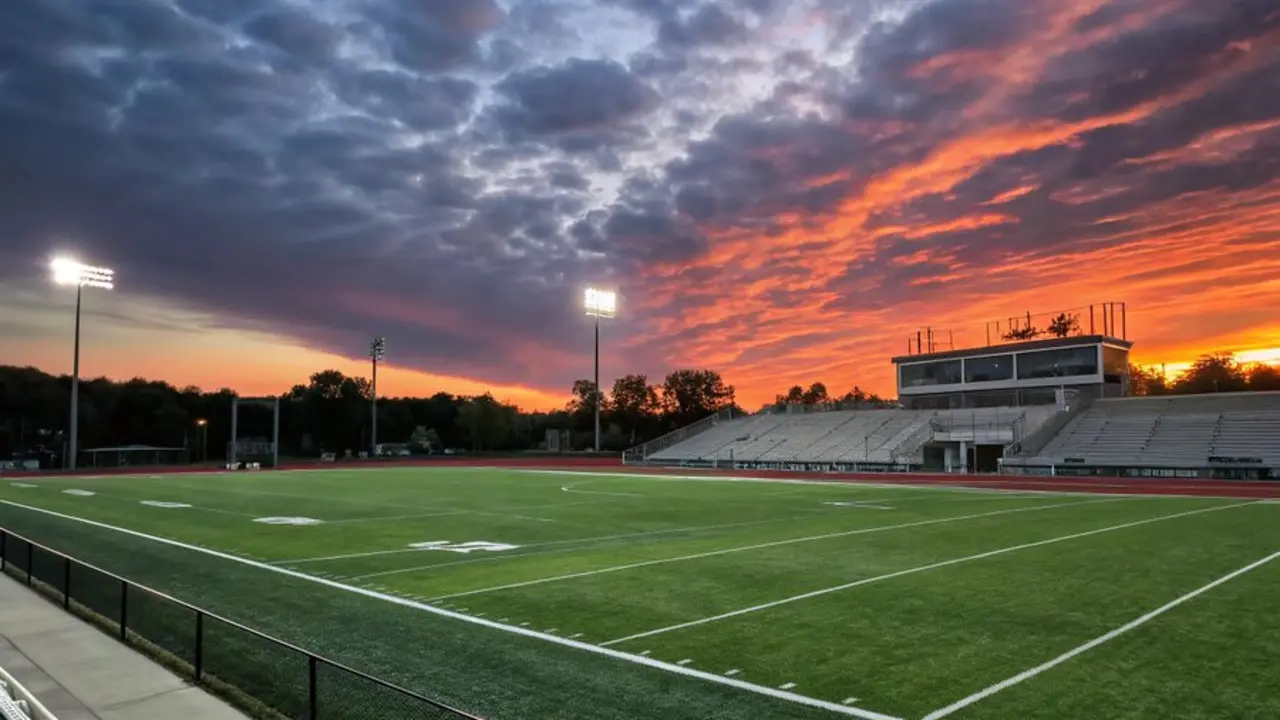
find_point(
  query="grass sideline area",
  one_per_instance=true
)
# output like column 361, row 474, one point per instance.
column 518, row 594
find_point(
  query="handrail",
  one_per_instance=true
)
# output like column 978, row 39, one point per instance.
column 201, row 614
column 12, row 700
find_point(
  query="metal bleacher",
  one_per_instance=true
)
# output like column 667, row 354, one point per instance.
column 877, row 437
column 1180, row 431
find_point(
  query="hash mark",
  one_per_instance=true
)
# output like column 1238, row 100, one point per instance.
column 733, row 672
column 786, row 686
column 685, row 661
column 850, row 701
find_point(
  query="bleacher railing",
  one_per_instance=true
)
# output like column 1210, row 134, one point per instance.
column 266, row 677
column 1032, row 444
column 640, row 453
column 16, row 703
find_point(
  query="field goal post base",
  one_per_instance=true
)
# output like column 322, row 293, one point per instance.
column 257, row 461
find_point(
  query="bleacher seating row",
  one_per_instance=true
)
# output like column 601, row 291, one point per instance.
column 1179, row 432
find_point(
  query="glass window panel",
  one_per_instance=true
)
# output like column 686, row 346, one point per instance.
column 988, row 369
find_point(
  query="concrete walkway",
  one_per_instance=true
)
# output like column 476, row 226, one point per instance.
column 80, row 673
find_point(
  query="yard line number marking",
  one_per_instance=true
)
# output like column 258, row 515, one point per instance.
column 405, row 602
column 647, row 533
column 917, row 569
column 1028, row 674
column 776, row 543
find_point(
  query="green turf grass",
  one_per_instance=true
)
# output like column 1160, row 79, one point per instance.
column 603, row 557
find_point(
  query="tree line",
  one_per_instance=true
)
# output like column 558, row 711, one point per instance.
column 331, row 413
column 1211, row 373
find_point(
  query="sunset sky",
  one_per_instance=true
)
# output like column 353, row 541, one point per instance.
column 781, row 190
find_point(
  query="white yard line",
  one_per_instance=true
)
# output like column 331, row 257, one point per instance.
column 914, row 570
column 647, row 533
column 760, row 546
column 1028, row 674
column 555, row 639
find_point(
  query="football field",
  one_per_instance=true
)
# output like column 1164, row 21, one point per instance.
column 531, row 595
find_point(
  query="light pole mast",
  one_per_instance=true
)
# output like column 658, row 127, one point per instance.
column 599, row 304
column 377, row 351
column 70, row 272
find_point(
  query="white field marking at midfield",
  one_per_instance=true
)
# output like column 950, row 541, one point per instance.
column 571, row 489
column 647, row 533
column 81, row 493
column 760, row 546
column 441, row 511
column 846, row 484
column 435, row 511
column 417, row 605
column 1028, row 674
column 917, row 569
column 23, row 485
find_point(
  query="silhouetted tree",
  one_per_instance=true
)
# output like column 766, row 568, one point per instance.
column 689, row 395
column 1063, row 325
column 1215, row 372
column 1146, row 382
column 634, row 406
column 1263, row 377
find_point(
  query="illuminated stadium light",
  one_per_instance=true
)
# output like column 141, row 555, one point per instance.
column 600, row 303
column 72, row 272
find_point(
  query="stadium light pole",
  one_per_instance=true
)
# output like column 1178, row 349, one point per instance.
column 599, row 304
column 203, row 425
column 70, row 272
column 377, row 351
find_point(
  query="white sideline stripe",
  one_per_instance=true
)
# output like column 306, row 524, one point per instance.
column 917, row 569
column 404, row 602
column 906, row 484
column 1028, row 674
column 776, row 543
column 647, row 533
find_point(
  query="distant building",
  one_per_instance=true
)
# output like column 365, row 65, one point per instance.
column 1035, row 372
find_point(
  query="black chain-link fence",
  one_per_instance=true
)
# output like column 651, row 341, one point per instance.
column 268, row 678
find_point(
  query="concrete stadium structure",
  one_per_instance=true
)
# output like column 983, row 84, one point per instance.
column 1047, row 407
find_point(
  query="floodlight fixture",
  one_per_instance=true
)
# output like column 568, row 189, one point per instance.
column 378, row 348
column 71, row 272
column 600, row 303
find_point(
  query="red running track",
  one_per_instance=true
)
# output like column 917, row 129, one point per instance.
column 1105, row 485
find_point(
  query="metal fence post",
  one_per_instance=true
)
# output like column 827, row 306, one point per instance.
column 313, row 708
column 199, row 645
column 66, row 584
column 124, row 612
column 31, row 560
column 4, row 549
